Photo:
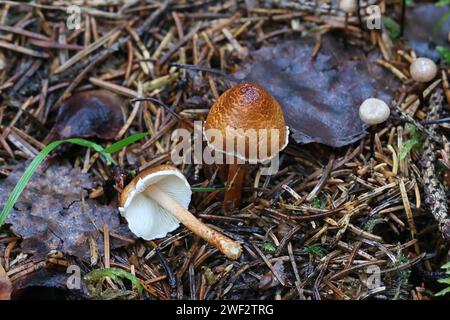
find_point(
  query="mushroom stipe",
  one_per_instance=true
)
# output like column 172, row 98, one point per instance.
column 228, row 247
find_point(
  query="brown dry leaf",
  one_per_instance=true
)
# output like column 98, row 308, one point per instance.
column 51, row 215
column 420, row 32
column 88, row 114
column 5, row 285
column 320, row 97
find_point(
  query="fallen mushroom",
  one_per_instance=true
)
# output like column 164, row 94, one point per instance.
column 156, row 201
column 246, row 107
column 423, row 69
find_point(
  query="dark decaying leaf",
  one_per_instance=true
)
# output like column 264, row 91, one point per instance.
column 47, row 283
column 320, row 97
column 426, row 26
column 50, row 214
column 88, row 114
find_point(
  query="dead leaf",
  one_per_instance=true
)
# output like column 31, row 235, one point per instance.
column 5, row 285
column 420, row 23
column 50, row 214
column 320, row 97
column 88, row 114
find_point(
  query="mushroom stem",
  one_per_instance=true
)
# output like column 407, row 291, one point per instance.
column 230, row 248
column 346, row 28
column 235, row 180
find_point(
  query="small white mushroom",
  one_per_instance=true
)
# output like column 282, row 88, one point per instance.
column 348, row 6
column 423, row 69
column 374, row 111
column 155, row 202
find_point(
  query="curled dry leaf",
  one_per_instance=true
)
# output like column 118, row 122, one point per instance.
column 320, row 97
column 426, row 27
column 88, row 114
column 50, row 213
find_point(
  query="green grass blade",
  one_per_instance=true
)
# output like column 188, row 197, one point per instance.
column 207, row 189
column 125, row 142
column 23, row 181
column 93, row 145
column 440, row 22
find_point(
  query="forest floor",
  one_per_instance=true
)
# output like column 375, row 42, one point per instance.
column 352, row 213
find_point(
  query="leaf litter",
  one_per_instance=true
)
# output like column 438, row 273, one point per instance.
column 320, row 95
column 52, row 215
column 372, row 214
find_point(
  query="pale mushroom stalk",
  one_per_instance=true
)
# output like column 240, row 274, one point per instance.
column 230, row 248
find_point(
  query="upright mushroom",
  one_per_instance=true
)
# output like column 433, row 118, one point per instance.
column 372, row 112
column 156, row 200
column 252, row 112
column 423, row 69
column 348, row 6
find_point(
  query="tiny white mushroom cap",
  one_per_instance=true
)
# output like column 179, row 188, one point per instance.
column 423, row 69
column 146, row 218
column 374, row 111
column 348, row 6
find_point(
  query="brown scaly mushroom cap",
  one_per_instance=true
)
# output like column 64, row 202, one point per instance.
column 248, row 106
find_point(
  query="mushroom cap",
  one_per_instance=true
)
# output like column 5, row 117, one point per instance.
column 146, row 218
column 247, row 116
column 374, row 111
column 348, row 6
column 423, row 69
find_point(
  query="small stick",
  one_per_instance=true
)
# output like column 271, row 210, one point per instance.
column 402, row 23
column 230, row 248
column 358, row 12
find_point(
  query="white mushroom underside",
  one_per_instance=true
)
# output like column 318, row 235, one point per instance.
column 146, row 218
